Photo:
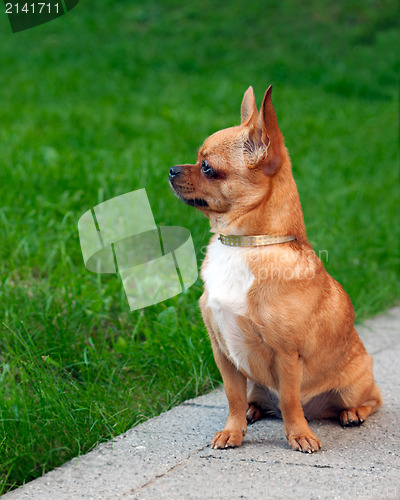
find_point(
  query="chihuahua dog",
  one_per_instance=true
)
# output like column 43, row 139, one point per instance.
column 281, row 328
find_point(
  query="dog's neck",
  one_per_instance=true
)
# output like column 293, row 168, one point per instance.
column 279, row 213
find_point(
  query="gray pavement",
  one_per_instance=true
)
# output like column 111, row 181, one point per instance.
column 170, row 457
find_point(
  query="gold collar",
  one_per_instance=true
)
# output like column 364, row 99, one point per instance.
column 253, row 241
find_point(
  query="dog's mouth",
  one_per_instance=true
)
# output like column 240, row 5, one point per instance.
column 195, row 202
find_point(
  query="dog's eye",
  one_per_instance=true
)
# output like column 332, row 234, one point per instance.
column 210, row 172
column 205, row 167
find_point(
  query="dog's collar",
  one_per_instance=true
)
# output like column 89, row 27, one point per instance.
column 253, row 241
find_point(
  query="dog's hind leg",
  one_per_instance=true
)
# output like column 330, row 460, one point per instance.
column 357, row 408
column 263, row 402
column 361, row 397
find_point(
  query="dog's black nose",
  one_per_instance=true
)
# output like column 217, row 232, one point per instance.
column 174, row 172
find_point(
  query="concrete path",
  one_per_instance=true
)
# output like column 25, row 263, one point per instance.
column 170, row 457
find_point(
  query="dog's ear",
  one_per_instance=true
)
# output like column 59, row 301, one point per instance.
column 271, row 136
column 248, row 110
column 264, row 142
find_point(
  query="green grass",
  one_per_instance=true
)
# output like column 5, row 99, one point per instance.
column 103, row 101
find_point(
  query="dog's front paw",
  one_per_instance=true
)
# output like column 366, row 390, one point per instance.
column 307, row 443
column 227, row 439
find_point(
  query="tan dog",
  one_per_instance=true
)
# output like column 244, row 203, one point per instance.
column 281, row 328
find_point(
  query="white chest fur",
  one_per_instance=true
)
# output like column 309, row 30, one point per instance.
column 228, row 278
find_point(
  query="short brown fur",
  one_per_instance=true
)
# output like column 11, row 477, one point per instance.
column 298, row 327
